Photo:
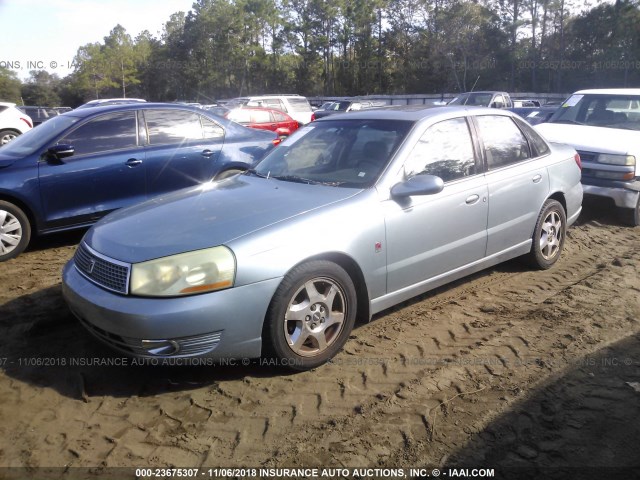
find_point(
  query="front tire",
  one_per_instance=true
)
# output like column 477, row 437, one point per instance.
column 15, row 231
column 310, row 316
column 631, row 216
column 549, row 235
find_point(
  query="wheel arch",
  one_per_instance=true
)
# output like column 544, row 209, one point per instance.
column 559, row 197
column 231, row 166
column 28, row 211
column 11, row 129
column 354, row 271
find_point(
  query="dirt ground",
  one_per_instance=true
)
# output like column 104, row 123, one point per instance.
column 526, row 372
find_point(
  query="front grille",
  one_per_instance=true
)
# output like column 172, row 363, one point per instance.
column 187, row 346
column 104, row 272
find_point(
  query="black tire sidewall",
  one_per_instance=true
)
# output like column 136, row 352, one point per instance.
column 8, row 132
column 536, row 255
column 275, row 343
column 26, row 229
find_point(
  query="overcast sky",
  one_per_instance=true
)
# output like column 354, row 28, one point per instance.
column 48, row 33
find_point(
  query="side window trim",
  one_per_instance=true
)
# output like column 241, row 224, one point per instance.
column 478, row 146
column 532, row 148
column 143, row 131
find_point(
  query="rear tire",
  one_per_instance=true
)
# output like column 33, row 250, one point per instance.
column 548, row 236
column 310, row 316
column 15, row 231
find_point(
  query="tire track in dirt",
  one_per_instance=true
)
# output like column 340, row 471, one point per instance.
column 469, row 319
column 379, row 402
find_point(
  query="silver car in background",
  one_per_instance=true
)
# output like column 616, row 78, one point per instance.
column 347, row 217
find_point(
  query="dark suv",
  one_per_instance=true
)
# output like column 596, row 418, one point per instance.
column 38, row 114
column 77, row 167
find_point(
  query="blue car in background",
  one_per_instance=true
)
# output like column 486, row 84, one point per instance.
column 77, row 167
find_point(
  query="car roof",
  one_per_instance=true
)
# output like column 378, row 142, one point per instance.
column 609, row 91
column 483, row 91
column 412, row 112
column 85, row 112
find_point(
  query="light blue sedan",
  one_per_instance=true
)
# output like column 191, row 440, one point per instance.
column 349, row 216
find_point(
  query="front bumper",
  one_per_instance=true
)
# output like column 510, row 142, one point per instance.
column 222, row 325
column 624, row 194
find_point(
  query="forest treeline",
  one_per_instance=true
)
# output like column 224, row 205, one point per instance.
column 227, row 48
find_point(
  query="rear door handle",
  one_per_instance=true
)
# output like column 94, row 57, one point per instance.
column 471, row 199
column 207, row 153
column 133, row 162
column 537, row 178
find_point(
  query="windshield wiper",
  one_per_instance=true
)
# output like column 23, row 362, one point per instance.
column 296, row 179
column 253, row 171
column 572, row 122
column 308, row 181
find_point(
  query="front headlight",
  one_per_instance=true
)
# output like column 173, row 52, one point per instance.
column 184, row 274
column 610, row 159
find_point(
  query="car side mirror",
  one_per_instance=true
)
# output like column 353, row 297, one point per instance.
column 418, row 185
column 58, row 152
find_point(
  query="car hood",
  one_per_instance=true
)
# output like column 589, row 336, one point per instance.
column 592, row 139
column 209, row 215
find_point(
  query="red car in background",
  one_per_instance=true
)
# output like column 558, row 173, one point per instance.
column 264, row 119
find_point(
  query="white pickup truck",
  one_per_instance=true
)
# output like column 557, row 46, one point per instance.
column 603, row 125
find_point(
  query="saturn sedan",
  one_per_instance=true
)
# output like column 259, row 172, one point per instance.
column 349, row 216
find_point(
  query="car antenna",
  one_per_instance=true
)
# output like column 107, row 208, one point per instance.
column 475, row 83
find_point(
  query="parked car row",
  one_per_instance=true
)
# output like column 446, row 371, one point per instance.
column 342, row 106
column 332, row 225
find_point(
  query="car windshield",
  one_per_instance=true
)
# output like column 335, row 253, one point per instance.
column 299, row 105
column 610, row 111
column 473, row 99
column 345, row 153
column 36, row 138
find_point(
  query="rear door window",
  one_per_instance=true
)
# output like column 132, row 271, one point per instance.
column 504, row 143
column 444, row 150
column 172, row 126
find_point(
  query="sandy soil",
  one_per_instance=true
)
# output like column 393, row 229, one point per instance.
column 511, row 369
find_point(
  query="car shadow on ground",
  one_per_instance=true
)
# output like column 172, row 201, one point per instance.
column 46, row 346
column 54, row 240
column 602, row 211
column 583, row 425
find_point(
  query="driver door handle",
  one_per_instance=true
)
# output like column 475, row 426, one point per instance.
column 471, row 199
column 133, row 162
